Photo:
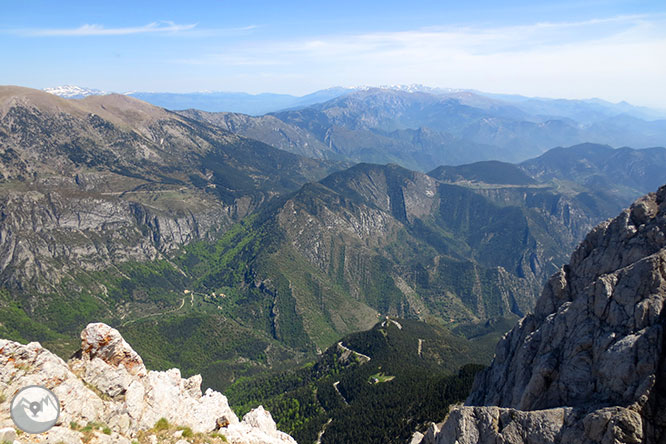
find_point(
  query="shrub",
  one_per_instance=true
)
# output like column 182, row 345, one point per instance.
column 187, row 432
column 161, row 424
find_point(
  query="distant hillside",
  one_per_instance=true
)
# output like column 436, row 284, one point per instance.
column 585, row 111
column 381, row 240
column 269, row 129
column 111, row 178
column 491, row 171
column 624, row 172
column 327, row 260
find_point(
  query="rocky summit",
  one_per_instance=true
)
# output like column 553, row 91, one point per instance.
column 108, row 396
column 589, row 365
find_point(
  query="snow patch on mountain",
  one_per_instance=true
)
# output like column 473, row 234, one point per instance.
column 74, row 92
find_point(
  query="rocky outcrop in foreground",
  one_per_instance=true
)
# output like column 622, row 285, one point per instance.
column 108, row 396
column 589, row 365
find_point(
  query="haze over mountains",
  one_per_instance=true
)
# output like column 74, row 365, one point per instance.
column 253, row 104
column 422, row 129
column 417, row 127
column 215, row 101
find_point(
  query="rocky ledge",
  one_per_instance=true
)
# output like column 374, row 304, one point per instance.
column 589, row 365
column 108, row 396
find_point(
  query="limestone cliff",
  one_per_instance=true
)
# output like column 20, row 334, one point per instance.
column 589, row 365
column 89, row 184
column 108, row 396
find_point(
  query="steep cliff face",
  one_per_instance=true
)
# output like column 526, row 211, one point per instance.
column 48, row 232
column 86, row 184
column 107, row 385
column 589, row 365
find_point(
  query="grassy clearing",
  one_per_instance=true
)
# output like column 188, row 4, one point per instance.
column 379, row 378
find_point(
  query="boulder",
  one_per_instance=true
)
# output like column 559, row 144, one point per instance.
column 257, row 427
column 101, row 341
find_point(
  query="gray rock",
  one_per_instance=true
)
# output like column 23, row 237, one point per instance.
column 417, row 437
column 101, row 341
column 7, row 434
column 257, row 427
column 106, row 382
column 430, row 436
column 61, row 434
column 588, row 366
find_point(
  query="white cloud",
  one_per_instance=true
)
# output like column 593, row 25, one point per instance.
column 616, row 58
column 99, row 30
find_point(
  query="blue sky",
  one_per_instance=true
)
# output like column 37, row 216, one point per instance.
column 615, row 50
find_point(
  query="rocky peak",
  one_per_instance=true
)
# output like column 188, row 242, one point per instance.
column 107, row 384
column 589, row 365
column 98, row 340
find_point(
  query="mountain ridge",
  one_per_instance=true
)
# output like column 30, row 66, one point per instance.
column 116, row 150
column 588, row 365
column 419, row 129
column 571, row 108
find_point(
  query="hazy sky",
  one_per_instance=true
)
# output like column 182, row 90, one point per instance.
column 615, row 50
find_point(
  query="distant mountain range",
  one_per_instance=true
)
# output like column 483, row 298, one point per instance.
column 212, row 101
column 414, row 126
column 258, row 104
column 419, row 130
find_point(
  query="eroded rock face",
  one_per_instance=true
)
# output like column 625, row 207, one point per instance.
column 101, row 341
column 257, row 426
column 589, row 365
column 106, row 382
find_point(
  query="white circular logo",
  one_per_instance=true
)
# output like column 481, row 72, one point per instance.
column 35, row 409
